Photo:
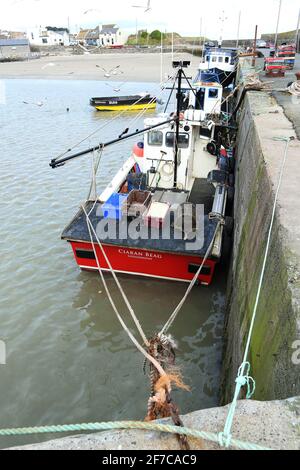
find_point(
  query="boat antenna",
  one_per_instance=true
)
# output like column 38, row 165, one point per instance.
column 180, row 65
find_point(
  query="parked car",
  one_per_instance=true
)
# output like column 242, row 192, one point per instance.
column 270, row 45
column 209, row 44
column 260, row 43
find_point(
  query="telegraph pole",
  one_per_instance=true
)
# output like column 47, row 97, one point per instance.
column 238, row 30
column 277, row 26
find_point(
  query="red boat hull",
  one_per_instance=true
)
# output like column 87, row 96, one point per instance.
column 141, row 262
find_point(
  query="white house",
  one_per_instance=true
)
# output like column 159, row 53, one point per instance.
column 49, row 36
column 108, row 35
column 111, row 35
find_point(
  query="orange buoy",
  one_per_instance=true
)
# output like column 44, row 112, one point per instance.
column 138, row 149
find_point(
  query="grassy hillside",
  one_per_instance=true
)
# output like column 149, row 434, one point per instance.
column 145, row 39
column 281, row 36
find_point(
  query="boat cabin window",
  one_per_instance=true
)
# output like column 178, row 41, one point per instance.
column 214, row 59
column 227, row 60
column 207, row 58
column 183, row 141
column 213, row 93
column 155, row 138
column 220, row 59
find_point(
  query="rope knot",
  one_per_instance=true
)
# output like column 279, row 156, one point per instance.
column 243, row 378
column 224, row 439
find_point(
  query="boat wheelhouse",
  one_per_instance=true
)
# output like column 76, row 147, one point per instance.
column 163, row 213
column 222, row 62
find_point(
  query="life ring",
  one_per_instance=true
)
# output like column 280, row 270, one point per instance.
column 212, row 148
column 167, row 171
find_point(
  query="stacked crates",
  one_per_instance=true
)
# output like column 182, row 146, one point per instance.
column 287, row 52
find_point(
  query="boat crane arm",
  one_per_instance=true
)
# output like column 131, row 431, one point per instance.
column 56, row 162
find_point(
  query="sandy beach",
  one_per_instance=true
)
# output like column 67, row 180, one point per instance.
column 137, row 67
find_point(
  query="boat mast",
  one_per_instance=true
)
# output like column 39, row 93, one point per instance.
column 180, row 73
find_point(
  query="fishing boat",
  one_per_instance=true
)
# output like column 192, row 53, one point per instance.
column 222, row 62
column 124, row 103
column 164, row 213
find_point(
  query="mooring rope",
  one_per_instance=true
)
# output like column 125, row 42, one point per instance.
column 142, row 425
column 294, row 88
column 243, row 378
column 134, row 317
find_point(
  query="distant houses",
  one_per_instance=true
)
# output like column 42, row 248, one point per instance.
column 5, row 34
column 49, row 36
column 14, row 49
column 109, row 35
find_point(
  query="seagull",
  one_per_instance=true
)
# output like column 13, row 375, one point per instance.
column 147, row 7
column 50, row 64
column 91, row 9
column 117, row 88
column 38, row 103
column 108, row 73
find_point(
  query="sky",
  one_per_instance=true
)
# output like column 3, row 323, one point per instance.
column 183, row 17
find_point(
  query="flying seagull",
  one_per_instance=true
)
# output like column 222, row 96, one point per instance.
column 117, row 88
column 38, row 103
column 108, row 73
column 147, row 7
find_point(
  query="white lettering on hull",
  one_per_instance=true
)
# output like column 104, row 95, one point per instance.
column 146, row 255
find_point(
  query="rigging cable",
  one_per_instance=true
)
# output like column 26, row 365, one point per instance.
column 108, row 122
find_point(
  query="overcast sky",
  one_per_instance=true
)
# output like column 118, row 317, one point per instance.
column 180, row 16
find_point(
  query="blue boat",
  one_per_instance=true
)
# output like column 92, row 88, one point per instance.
column 222, row 62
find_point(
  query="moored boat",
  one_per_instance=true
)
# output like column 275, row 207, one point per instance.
column 222, row 62
column 163, row 215
column 121, row 103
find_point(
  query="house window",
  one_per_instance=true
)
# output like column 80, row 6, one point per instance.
column 183, row 140
column 45, row 41
column 32, row 36
column 155, row 138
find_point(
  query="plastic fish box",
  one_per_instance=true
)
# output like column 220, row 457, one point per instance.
column 156, row 214
column 112, row 208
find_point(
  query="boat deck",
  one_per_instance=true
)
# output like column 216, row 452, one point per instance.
column 149, row 238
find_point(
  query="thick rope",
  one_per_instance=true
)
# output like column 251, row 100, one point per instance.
column 294, row 88
column 209, row 436
column 126, row 300
column 243, row 377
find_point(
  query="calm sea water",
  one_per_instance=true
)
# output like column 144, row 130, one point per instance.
column 68, row 359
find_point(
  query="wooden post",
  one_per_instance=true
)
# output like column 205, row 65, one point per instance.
column 254, row 47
